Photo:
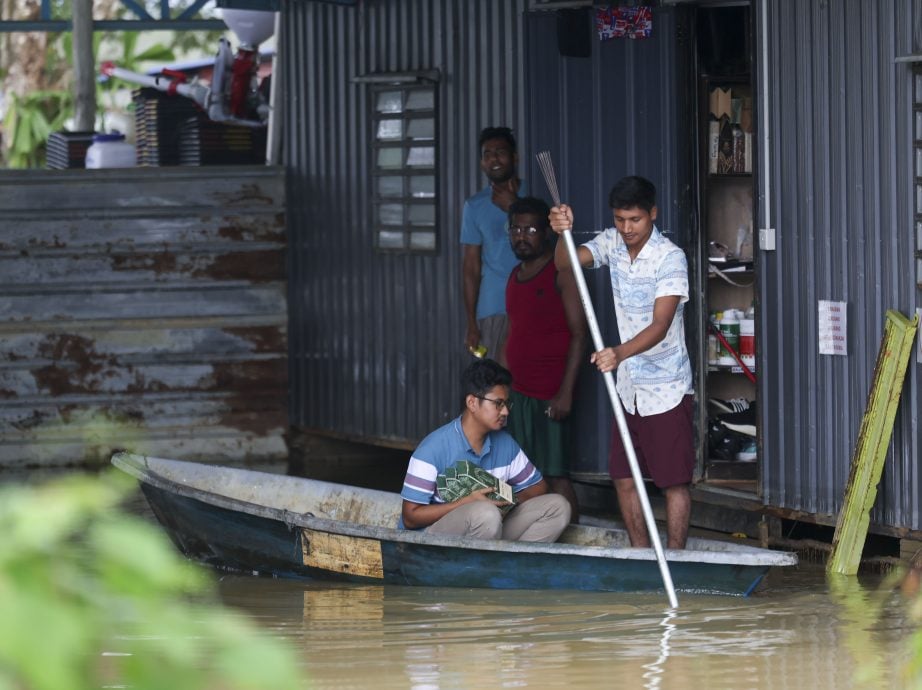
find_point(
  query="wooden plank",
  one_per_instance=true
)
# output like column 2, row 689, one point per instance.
column 185, row 190
column 156, row 344
column 128, row 301
column 221, row 446
column 62, row 232
column 90, row 376
column 25, row 271
column 143, row 309
column 339, row 553
column 871, row 447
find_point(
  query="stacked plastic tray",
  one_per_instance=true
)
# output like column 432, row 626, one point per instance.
column 204, row 142
column 158, row 117
column 65, row 150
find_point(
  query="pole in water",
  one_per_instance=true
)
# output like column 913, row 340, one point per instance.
column 547, row 170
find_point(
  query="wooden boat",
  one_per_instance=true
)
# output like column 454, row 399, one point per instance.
column 292, row 527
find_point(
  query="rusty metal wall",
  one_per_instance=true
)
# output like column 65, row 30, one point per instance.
column 841, row 200
column 142, row 309
column 377, row 338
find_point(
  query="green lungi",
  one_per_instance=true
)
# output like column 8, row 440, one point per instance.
column 544, row 440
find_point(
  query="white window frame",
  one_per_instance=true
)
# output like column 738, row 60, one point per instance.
column 404, row 166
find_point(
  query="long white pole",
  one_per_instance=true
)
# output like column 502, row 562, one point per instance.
column 622, row 422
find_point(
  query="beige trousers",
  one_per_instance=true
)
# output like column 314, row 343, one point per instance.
column 541, row 518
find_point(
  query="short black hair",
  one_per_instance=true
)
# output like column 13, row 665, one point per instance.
column 482, row 375
column 496, row 133
column 530, row 204
column 632, row 191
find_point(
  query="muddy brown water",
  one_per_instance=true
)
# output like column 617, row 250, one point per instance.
column 797, row 631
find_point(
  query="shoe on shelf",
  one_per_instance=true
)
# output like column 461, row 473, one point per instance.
column 743, row 422
column 748, row 452
column 733, row 405
column 724, row 444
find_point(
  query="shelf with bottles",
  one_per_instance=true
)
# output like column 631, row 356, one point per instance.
column 731, row 343
column 730, row 128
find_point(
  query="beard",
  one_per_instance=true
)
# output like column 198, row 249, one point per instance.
column 500, row 176
column 524, row 252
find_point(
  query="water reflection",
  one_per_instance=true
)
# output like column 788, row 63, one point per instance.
column 865, row 630
column 799, row 632
column 654, row 672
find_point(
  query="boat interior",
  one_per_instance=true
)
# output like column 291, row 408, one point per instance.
column 340, row 502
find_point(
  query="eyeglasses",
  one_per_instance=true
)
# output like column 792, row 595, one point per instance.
column 531, row 230
column 499, row 402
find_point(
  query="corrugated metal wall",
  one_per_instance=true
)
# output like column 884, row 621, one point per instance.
column 142, row 309
column 841, row 201
column 376, row 339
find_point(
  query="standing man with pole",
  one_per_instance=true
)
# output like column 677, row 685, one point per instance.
column 487, row 257
column 649, row 276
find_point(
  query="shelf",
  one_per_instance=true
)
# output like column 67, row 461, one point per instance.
column 733, row 267
column 742, row 78
column 735, row 369
column 730, row 176
column 742, row 274
column 726, row 133
column 732, row 470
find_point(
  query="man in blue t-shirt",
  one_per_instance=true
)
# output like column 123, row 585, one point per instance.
column 478, row 437
column 487, row 257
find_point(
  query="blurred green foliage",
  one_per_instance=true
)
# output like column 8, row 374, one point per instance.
column 28, row 122
column 92, row 596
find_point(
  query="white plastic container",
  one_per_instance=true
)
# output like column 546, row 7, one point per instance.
column 730, row 330
column 111, row 151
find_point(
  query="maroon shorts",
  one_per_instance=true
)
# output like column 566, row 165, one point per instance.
column 664, row 444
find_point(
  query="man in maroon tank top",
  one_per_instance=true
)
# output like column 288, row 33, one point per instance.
column 543, row 347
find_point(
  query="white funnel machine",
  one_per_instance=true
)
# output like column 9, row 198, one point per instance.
column 252, row 27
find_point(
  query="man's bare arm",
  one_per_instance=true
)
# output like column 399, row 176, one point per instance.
column 470, row 270
column 562, row 403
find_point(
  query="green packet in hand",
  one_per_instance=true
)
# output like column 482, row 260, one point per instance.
column 464, row 477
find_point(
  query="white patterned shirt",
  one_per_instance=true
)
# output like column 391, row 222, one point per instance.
column 659, row 378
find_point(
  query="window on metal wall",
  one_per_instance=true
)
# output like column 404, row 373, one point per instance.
column 404, row 160
column 917, row 151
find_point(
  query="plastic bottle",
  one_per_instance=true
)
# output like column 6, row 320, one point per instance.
column 480, row 351
column 730, row 330
column 748, row 342
column 110, row 151
column 713, row 347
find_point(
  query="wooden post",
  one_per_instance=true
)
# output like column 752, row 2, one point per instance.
column 873, row 440
column 84, row 67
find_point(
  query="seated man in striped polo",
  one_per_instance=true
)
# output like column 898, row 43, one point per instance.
column 477, row 436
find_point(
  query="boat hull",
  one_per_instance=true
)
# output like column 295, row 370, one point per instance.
column 241, row 541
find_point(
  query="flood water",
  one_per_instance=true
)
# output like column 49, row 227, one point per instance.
column 797, row 631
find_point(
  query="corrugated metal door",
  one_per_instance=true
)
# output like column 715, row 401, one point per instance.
column 142, row 309
column 621, row 111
